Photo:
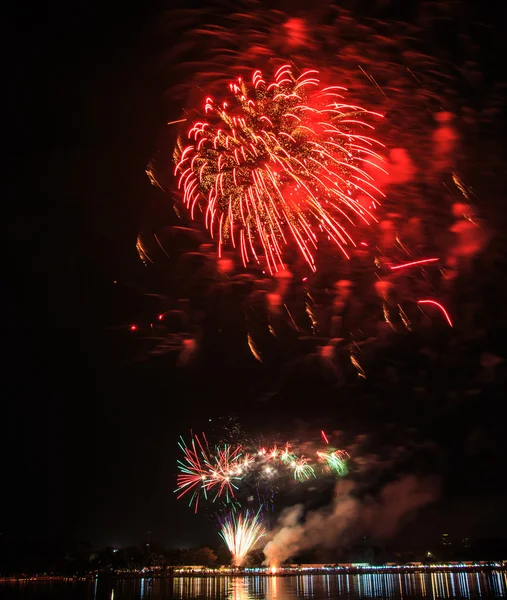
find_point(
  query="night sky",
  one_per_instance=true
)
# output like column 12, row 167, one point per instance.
column 90, row 446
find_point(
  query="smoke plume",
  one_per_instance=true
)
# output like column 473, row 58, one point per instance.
column 379, row 517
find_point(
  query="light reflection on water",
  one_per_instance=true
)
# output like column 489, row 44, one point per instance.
column 434, row 586
column 330, row 586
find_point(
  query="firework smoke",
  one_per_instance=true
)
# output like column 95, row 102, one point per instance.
column 380, row 517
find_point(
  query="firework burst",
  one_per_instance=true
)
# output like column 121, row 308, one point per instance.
column 203, row 470
column 241, row 533
column 287, row 457
column 302, row 470
column 335, row 461
column 193, row 472
column 279, row 163
column 229, row 473
column 225, row 469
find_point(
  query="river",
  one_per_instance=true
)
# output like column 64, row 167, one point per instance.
column 413, row 586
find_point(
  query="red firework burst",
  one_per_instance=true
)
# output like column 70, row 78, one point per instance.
column 277, row 162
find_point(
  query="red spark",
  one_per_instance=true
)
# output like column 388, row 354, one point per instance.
column 324, row 437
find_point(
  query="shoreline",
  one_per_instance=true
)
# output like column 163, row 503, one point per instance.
column 389, row 570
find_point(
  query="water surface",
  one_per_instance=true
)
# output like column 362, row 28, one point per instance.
column 405, row 586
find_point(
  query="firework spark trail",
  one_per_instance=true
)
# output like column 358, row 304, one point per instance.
column 241, row 533
column 277, row 161
column 414, row 263
column 141, row 250
column 438, row 305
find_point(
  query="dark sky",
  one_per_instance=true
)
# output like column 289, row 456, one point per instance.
column 90, row 448
column 85, row 121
